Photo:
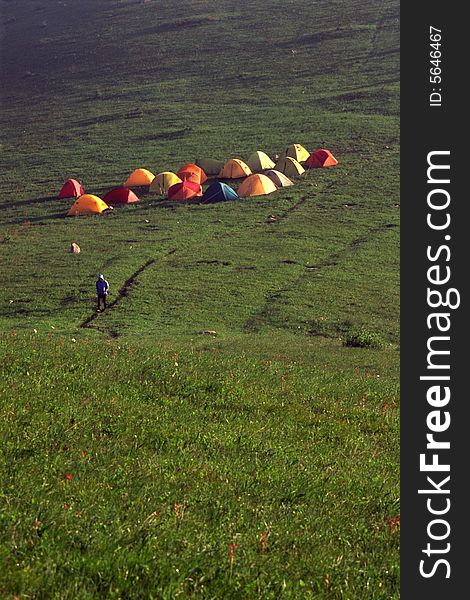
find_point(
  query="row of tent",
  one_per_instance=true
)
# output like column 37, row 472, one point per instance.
column 261, row 176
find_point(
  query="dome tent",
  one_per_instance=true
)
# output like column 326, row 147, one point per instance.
column 210, row 166
column 296, row 151
column 278, row 178
column 139, row 177
column 192, row 172
column 289, row 166
column 259, row 161
column 321, row 158
column 184, row 191
column 86, row 205
column 234, row 169
column 218, row 192
column 163, row 182
column 71, row 189
column 256, row 185
column 120, row 195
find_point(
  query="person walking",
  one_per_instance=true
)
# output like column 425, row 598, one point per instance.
column 102, row 287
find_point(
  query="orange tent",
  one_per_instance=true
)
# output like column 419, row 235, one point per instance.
column 140, row 177
column 87, row 204
column 321, row 158
column 184, row 190
column 235, row 168
column 192, row 172
column 256, row 185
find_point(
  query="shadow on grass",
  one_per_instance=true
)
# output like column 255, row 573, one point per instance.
column 27, row 311
column 97, row 191
column 32, row 220
column 30, row 201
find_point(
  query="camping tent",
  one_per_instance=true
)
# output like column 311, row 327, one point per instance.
column 193, row 173
column 278, row 178
column 140, row 177
column 218, row 192
column 234, row 168
column 289, row 166
column 120, row 195
column 163, row 182
column 71, row 189
column 210, row 166
column 184, row 190
column 87, row 204
column 321, row 158
column 296, row 151
column 256, row 185
column 259, row 161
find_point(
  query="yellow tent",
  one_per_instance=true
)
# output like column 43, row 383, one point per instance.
column 256, row 185
column 163, row 181
column 278, row 178
column 87, row 204
column 210, row 166
column 140, row 177
column 259, row 161
column 289, row 166
column 296, row 151
column 234, row 168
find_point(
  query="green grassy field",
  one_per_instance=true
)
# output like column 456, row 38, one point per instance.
column 141, row 457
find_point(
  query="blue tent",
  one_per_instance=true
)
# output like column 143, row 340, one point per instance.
column 218, row 192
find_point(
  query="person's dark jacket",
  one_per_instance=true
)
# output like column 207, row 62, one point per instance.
column 102, row 286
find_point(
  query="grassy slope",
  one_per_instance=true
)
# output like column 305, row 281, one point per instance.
column 95, row 90
column 206, row 451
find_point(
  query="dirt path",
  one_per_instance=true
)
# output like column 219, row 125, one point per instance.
column 123, row 292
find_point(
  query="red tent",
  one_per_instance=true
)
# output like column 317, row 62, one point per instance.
column 184, row 190
column 120, row 195
column 320, row 158
column 71, row 189
column 192, row 172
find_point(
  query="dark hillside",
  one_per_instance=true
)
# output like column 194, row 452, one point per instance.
column 89, row 78
column 64, row 43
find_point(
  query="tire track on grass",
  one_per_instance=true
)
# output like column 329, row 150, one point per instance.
column 388, row 17
column 122, row 293
column 328, row 186
column 292, row 208
column 273, row 297
column 313, row 195
column 333, row 259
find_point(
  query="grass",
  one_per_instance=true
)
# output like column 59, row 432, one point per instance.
column 136, row 448
column 204, row 452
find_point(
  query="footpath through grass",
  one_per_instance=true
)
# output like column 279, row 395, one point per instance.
column 217, row 476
